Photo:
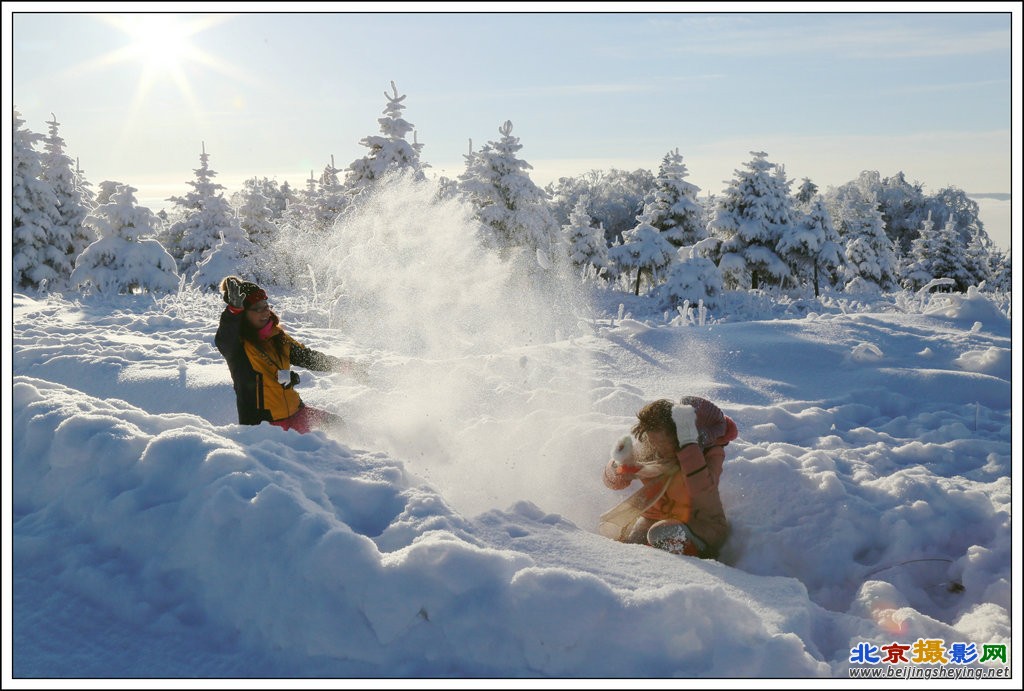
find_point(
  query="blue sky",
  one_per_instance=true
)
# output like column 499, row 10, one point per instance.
column 273, row 93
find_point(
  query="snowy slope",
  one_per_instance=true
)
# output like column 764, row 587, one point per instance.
column 447, row 529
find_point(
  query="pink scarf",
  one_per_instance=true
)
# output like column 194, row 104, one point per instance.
column 267, row 330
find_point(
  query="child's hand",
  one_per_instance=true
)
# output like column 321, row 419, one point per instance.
column 233, row 293
column 685, row 418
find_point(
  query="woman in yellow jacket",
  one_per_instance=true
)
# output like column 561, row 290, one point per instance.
column 678, row 461
column 260, row 356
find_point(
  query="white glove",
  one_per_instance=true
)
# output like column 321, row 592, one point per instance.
column 685, row 417
column 623, row 450
column 622, row 455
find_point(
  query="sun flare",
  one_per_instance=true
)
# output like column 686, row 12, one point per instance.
column 160, row 42
column 162, row 48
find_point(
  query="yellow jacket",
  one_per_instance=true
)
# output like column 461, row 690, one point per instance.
column 259, row 396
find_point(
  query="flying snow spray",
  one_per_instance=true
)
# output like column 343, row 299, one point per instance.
column 474, row 385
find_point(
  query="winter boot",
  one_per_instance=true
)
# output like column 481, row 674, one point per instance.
column 675, row 537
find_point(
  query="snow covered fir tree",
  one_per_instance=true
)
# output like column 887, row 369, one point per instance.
column 40, row 241
column 644, row 250
column 327, row 199
column 205, row 217
column 654, row 236
column 256, row 216
column 512, row 208
column 67, row 186
column 691, row 280
column 389, row 152
column 939, row 255
column 587, row 245
column 126, row 258
column 234, row 253
column 871, row 263
column 752, row 217
column 814, row 248
column 675, row 211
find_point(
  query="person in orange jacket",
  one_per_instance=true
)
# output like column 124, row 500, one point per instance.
column 678, row 460
column 260, row 356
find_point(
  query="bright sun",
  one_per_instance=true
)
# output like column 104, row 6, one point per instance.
column 160, row 46
column 160, row 42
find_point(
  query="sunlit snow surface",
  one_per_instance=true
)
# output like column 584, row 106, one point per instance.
column 447, row 529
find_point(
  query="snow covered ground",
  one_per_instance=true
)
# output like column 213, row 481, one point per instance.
column 447, row 530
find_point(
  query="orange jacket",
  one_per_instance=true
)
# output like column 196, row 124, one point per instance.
column 692, row 493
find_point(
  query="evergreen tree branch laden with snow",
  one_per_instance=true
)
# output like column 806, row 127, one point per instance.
column 871, row 263
column 812, row 247
column 206, row 218
column 57, row 170
column 389, row 152
column 511, row 207
column 751, row 217
column 674, row 210
column 586, row 242
column 644, row 249
column 40, row 244
column 125, row 258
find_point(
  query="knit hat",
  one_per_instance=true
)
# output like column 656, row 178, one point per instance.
column 253, row 294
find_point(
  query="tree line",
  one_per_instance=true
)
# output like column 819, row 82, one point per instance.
column 638, row 231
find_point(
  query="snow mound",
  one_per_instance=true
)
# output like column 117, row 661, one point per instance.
column 970, row 307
